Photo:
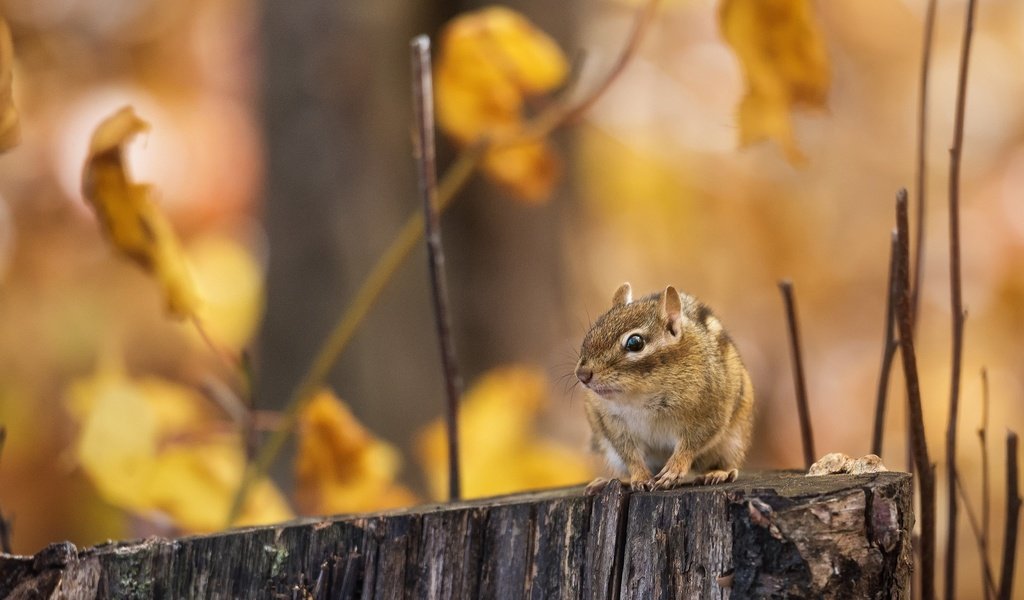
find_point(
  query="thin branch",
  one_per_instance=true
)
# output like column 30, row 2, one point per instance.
column 5, row 525
column 1012, row 519
column 560, row 114
column 920, row 195
column 366, row 297
column 922, row 163
column 453, row 180
column 972, row 519
column 235, row 408
column 806, row 433
column 949, row 578
column 926, row 473
column 888, row 352
column 424, row 151
column 226, row 356
column 986, row 489
column 955, row 286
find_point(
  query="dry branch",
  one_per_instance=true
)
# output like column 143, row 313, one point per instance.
column 972, row 519
column 426, row 168
column 922, row 162
column 5, row 525
column 956, row 301
column 926, row 473
column 803, row 410
column 986, row 489
column 888, row 351
column 1012, row 519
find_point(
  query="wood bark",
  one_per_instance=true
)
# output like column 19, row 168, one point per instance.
column 768, row 535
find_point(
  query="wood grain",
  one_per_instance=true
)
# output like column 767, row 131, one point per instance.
column 772, row 534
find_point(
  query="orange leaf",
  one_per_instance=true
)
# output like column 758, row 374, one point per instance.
column 782, row 53
column 491, row 60
column 129, row 217
column 340, row 467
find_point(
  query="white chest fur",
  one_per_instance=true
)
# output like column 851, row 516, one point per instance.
column 650, row 430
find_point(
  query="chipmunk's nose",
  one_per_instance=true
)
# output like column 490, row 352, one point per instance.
column 584, row 374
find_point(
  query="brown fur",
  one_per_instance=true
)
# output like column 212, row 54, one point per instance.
column 684, row 402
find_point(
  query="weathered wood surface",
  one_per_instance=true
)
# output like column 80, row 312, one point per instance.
column 778, row 535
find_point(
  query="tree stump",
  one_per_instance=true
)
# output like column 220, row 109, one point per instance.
column 773, row 534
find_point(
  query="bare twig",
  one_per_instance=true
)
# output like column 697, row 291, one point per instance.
column 949, row 579
column 921, row 178
column 955, row 295
column 453, row 180
column 226, row 356
column 922, row 163
column 5, row 535
column 986, row 489
column 888, row 352
column 926, row 473
column 235, row 408
column 972, row 519
column 424, row 151
column 806, row 433
column 560, row 114
column 5, row 525
column 1012, row 519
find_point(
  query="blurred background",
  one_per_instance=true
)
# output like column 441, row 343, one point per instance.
column 280, row 149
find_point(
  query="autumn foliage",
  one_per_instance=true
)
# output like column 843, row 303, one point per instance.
column 491, row 63
column 171, row 449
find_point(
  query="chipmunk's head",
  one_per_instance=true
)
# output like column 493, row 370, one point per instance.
column 636, row 344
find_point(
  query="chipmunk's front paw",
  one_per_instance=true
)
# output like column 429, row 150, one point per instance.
column 669, row 479
column 642, row 484
column 716, row 477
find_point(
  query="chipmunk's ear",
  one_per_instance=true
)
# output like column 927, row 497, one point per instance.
column 672, row 311
column 623, row 295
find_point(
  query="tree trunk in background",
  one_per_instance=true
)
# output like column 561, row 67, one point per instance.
column 340, row 182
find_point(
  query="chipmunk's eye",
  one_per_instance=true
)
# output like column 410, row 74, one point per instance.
column 634, row 343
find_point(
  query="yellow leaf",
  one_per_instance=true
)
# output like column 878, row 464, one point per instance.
column 231, row 284
column 490, row 61
column 782, row 53
column 340, row 467
column 151, row 447
column 118, row 436
column 10, row 128
column 128, row 215
column 500, row 450
column 194, row 483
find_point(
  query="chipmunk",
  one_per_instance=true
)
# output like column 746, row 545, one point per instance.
column 668, row 391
